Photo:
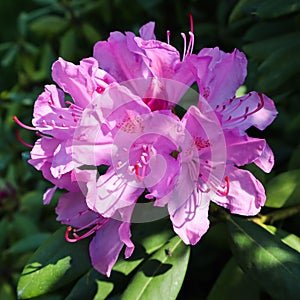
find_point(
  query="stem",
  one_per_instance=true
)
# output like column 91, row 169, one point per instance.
column 277, row 215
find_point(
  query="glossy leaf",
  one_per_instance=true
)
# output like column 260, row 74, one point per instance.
column 261, row 31
column 284, row 189
column 243, row 8
column 54, row 264
column 262, row 49
column 161, row 274
column 290, row 239
column 261, row 255
column 104, row 289
column 281, row 61
column 152, row 235
column 86, row 287
column 277, row 8
column 233, row 281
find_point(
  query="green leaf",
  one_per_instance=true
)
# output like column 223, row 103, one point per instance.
column 243, row 8
column 68, row 44
column 10, row 55
column 86, row 287
column 162, row 274
column 91, row 34
column 261, row 255
column 6, row 291
column 152, row 235
column 280, row 66
column 54, row 264
column 277, row 8
column 24, row 226
column 290, row 239
column 262, row 49
column 148, row 237
column 48, row 25
column 28, row 243
column 104, row 289
column 233, row 281
column 284, row 189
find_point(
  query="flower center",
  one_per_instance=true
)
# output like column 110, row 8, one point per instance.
column 140, row 167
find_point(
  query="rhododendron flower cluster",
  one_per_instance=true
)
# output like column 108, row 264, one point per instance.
column 109, row 136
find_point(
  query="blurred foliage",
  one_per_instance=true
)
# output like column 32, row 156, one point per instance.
column 36, row 32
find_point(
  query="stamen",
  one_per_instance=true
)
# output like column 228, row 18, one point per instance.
column 191, row 44
column 22, row 124
column 136, row 169
column 226, row 188
column 21, row 141
column 74, row 106
column 191, row 22
column 85, row 235
column 168, row 36
column 184, row 45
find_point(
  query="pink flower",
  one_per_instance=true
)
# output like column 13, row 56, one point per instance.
column 238, row 190
column 127, row 57
column 109, row 235
column 120, row 131
column 56, row 119
column 121, row 119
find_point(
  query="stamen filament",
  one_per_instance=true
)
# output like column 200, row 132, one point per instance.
column 22, row 124
column 191, row 22
column 191, row 44
column 184, row 45
column 226, row 187
column 22, row 141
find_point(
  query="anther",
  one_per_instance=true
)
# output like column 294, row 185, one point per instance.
column 168, row 36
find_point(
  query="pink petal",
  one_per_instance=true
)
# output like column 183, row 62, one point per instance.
column 62, row 162
column 147, row 31
column 266, row 160
column 225, row 74
column 50, row 114
column 72, row 210
column 107, row 244
column 162, row 59
column 246, row 194
column 242, row 149
column 190, row 221
column 78, row 81
column 110, row 193
column 125, row 234
column 48, row 195
column 43, row 152
column 253, row 109
column 117, row 59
